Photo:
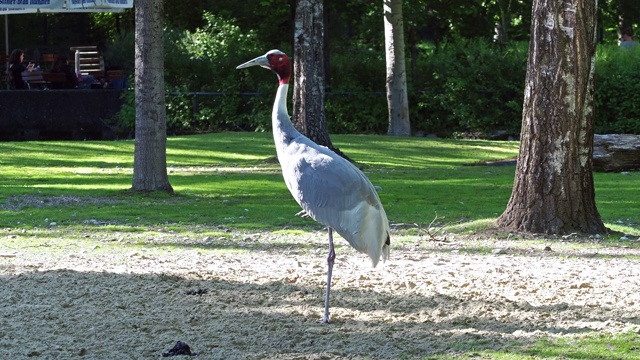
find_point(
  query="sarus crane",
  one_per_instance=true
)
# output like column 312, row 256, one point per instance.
column 329, row 188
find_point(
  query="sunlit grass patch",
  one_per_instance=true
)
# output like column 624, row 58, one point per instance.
column 586, row 346
column 231, row 179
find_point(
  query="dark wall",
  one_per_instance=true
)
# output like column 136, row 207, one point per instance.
column 58, row 114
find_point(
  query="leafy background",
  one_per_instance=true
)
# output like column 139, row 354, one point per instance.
column 463, row 80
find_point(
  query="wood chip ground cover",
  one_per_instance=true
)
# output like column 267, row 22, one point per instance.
column 133, row 296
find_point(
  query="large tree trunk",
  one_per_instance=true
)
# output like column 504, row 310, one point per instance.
column 308, row 72
column 150, row 163
column 396, row 74
column 325, row 50
column 553, row 190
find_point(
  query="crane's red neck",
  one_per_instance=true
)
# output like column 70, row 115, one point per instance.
column 279, row 64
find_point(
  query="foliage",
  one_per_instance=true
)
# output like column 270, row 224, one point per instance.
column 108, row 25
column 471, row 85
column 211, row 53
column 356, row 112
column 464, row 86
column 617, row 98
column 612, row 13
column 120, row 53
column 357, row 102
column 125, row 120
column 202, row 61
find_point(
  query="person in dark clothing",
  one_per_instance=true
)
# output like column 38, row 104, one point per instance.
column 61, row 65
column 16, row 68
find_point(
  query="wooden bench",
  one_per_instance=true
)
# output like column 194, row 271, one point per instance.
column 56, row 80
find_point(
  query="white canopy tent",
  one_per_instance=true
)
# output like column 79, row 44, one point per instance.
column 57, row 6
column 30, row 6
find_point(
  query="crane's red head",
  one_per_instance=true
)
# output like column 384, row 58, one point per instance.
column 276, row 61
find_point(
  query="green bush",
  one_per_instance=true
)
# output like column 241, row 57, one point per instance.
column 466, row 86
column 471, row 85
column 200, row 61
column 617, row 93
column 120, row 54
column 357, row 101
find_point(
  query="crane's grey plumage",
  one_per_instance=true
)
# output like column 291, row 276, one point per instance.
column 329, row 188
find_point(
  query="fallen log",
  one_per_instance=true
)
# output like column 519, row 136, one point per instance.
column 616, row 152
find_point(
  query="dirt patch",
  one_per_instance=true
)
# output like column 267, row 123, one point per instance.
column 262, row 300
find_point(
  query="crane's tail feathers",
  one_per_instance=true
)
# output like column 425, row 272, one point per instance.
column 381, row 252
column 385, row 249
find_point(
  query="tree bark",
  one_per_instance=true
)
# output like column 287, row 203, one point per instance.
column 396, row 73
column 325, row 50
column 308, row 72
column 501, row 35
column 150, row 155
column 553, row 190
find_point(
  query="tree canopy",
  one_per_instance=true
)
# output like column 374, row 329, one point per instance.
column 350, row 22
column 466, row 61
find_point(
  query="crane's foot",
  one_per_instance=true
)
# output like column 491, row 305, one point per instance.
column 303, row 214
column 323, row 321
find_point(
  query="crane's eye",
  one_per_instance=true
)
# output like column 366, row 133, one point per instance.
column 280, row 58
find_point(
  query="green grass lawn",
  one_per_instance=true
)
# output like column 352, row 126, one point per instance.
column 591, row 346
column 232, row 179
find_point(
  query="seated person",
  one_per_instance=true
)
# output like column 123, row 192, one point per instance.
column 16, row 68
column 61, row 65
column 627, row 38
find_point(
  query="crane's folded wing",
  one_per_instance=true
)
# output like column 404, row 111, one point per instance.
column 330, row 189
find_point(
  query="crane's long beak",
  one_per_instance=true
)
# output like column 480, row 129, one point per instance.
column 260, row 61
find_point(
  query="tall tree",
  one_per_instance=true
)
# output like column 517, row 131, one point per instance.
column 397, row 100
column 150, row 155
column 503, row 21
column 553, row 190
column 308, row 72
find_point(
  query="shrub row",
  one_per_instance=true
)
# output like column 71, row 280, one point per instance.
column 617, row 99
column 475, row 86
column 466, row 86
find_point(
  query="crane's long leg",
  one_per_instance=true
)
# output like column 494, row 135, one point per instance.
column 330, row 258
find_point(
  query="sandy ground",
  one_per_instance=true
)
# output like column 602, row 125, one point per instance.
column 60, row 301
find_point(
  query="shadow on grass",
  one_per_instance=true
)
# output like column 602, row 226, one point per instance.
column 300, row 236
